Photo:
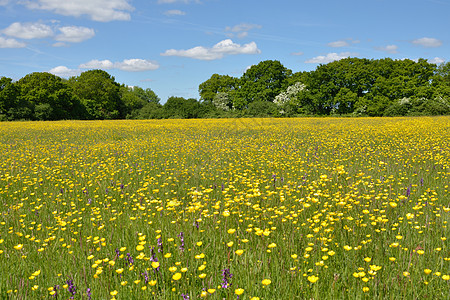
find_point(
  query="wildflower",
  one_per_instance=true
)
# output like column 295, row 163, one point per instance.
column 365, row 289
column 266, row 282
column 313, row 278
column 427, row 271
column 239, row 252
column 18, row 246
column 239, row 291
column 155, row 264
column 176, row 276
column 113, row 293
column 226, row 274
column 139, row 247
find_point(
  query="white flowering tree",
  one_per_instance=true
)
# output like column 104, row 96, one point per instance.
column 290, row 95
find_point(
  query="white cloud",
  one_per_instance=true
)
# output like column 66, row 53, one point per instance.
column 63, row 71
column 174, row 12
column 321, row 59
column 130, row 65
column 74, row 34
column 97, row 10
column 338, row 44
column 436, row 60
column 427, row 42
column 10, row 43
column 389, row 49
column 241, row 30
column 136, row 65
column 97, row 64
column 218, row 51
column 28, row 30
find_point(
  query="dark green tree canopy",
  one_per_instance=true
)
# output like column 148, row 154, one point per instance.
column 100, row 94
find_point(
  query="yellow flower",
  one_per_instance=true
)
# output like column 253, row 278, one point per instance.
column 272, row 245
column 18, row 246
column 172, row 269
column 199, row 243
column 211, row 291
column 239, row 252
column 393, row 204
column 155, row 264
column 392, row 258
column 123, row 283
column 446, row 277
column 347, row 247
column 294, row 256
column 427, row 271
column 230, row 244
column 266, row 282
column 119, row 271
column 203, row 275
column 313, row 278
column 176, row 276
column 123, row 249
column 226, row 213
column 203, row 294
column 184, row 270
column 365, row 289
column 113, row 293
column 420, row 252
column 239, row 291
column 139, row 247
column 367, row 259
column 231, row 230
column 406, row 274
column 36, row 273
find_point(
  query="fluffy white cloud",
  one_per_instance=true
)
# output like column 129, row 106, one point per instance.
column 436, row 60
column 174, row 12
column 389, row 49
column 64, row 71
column 241, row 30
column 97, row 64
column 338, row 44
column 324, row 59
column 428, row 42
column 28, row 30
column 74, row 34
column 136, row 65
column 10, row 43
column 130, row 65
column 218, row 51
column 97, row 10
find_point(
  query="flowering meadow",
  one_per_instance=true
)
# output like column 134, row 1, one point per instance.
column 312, row 208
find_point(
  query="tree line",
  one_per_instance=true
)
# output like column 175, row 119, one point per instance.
column 349, row 87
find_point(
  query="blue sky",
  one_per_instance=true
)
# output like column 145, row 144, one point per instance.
column 171, row 46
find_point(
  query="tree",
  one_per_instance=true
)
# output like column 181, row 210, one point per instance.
column 216, row 84
column 8, row 97
column 261, row 82
column 100, row 94
column 179, row 107
column 50, row 94
column 135, row 98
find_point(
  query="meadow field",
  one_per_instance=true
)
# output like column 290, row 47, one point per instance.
column 311, row 208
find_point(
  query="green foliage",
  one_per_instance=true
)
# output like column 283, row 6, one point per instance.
column 100, row 94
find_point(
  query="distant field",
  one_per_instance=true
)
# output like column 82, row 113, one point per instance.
column 226, row 209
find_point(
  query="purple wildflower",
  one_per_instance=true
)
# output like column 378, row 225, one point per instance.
column 181, row 236
column 421, row 181
column 145, row 274
column 71, row 287
column 226, row 277
column 408, row 191
column 160, row 245
column 88, row 293
column 195, row 224
column 130, row 259
column 185, row 296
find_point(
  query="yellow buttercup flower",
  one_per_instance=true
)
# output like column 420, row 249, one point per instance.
column 176, row 276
